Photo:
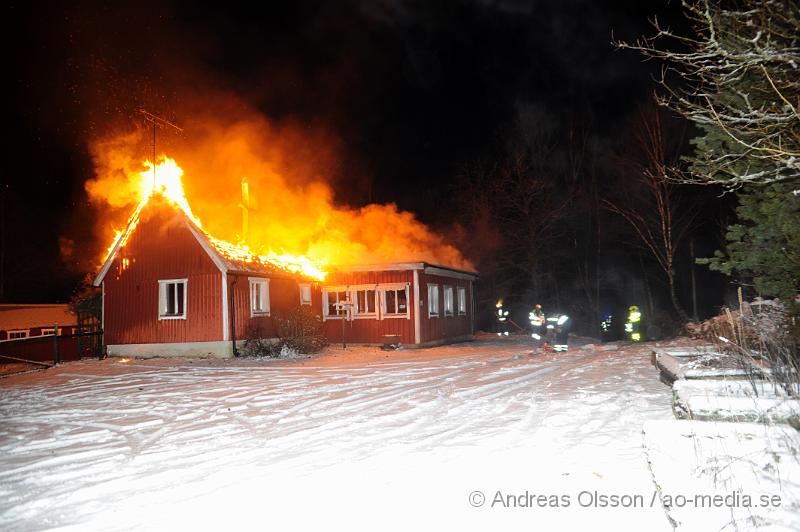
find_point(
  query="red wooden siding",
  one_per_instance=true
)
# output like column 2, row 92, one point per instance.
column 284, row 296
column 162, row 247
column 443, row 327
column 370, row 330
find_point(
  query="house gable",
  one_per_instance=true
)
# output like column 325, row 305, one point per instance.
column 163, row 247
column 154, row 215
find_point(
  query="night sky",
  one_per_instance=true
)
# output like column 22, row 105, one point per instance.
column 412, row 91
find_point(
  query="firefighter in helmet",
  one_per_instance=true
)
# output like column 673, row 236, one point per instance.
column 501, row 317
column 537, row 320
column 633, row 327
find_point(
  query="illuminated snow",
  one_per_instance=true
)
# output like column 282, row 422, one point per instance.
column 355, row 440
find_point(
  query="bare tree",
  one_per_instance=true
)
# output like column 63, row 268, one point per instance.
column 510, row 209
column 581, row 160
column 739, row 82
column 650, row 204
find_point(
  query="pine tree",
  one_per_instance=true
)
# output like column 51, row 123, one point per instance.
column 739, row 84
column 765, row 244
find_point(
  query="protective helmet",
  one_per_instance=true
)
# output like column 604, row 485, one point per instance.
column 538, row 306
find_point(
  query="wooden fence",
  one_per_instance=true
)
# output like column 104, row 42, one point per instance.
column 52, row 349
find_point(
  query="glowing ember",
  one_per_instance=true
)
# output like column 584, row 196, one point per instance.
column 166, row 182
column 123, row 360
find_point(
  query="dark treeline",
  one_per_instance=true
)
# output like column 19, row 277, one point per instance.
column 516, row 125
column 544, row 217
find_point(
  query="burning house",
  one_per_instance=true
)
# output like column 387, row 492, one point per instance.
column 419, row 303
column 171, row 289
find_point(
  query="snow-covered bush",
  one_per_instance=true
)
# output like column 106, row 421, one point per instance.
column 297, row 331
column 258, row 345
column 301, row 330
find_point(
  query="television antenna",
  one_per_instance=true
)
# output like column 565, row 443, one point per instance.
column 157, row 122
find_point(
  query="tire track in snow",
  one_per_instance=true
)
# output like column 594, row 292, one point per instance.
column 150, row 428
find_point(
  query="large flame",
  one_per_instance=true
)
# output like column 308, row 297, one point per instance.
column 263, row 191
column 164, row 179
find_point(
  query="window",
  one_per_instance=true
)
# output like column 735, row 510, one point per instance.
column 14, row 335
column 448, row 300
column 259, row 297
column 395, row 302
column 333, row 301
column 462, row 301
column 172, row 299
column 364, row 303
column 305, row 294
column 48, row 332
column 433, row 299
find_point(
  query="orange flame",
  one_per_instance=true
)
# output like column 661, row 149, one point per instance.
column 291, row 216
column 165, row 180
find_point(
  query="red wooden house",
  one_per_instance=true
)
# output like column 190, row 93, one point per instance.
column 169, row 289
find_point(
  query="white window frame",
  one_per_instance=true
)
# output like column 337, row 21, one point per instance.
column 26, row 334
column 395, row 287
column 50, row 331
column 462, row 301
column 334, row 290
column 353, row 296
column 448, row 300
column 304, row 287
column 433, row 300
column 262, row 285
column 162, row 298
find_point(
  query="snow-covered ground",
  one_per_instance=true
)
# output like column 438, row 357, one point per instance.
column 736, row 400
column 356, row 440
column 726, row 476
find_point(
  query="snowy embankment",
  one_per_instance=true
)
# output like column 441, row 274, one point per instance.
column 726, row 476
column 715, row 468
column 701, row 363
column 735, row 400
column 467, row 437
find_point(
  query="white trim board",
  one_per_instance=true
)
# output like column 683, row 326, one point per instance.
column 417, row 307
column 216, row 259
column 225, row 327
column 444, row 272
column 407, row 266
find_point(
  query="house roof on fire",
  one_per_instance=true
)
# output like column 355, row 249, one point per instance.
column 230, row 259
column 227, row 257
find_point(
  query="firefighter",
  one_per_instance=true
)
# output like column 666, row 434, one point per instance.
column 501, row 316
column 633, row 327
column 557, row 327
column 561, row 330
column 537, row 324
column 606, row 325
